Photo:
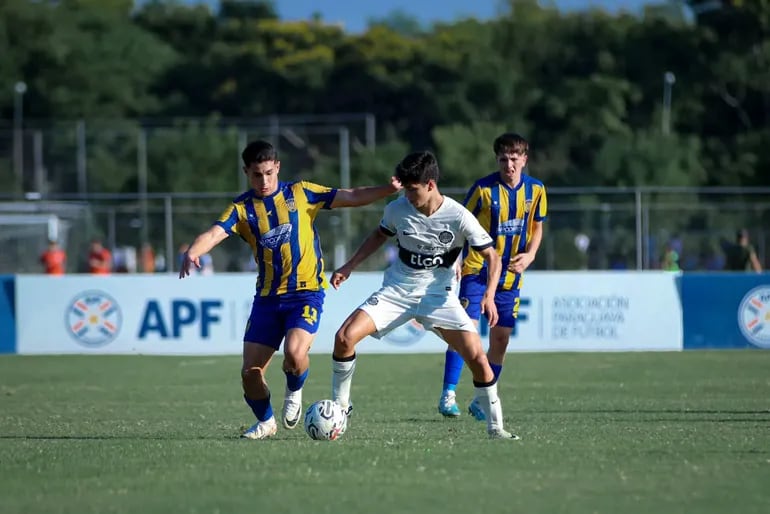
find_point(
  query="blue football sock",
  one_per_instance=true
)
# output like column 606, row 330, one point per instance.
column 453, row 366
column 295, row 382
column 261, row 408
column 496, row 369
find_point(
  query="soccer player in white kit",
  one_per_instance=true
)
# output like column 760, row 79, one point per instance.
column 430, row 231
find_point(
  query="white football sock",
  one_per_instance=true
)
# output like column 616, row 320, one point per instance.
column 490, row 404
column 341, row 381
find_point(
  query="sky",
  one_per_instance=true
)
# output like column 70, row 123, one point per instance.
column 354, row 14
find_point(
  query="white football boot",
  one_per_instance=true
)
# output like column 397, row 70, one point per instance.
column 292, row 409
column 261, row 430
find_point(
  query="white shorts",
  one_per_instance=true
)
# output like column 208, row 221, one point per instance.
column 389, row 309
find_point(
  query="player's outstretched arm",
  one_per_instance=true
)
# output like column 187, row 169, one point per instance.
column 364, row 195
column 372, row 243
column 494, row 267
column 202, row 244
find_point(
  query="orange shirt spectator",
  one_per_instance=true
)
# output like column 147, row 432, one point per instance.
column 148, row 258
column 53, row 259
column 99, row 259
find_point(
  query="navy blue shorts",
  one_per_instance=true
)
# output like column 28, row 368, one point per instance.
column 273, row 316
column 472, row 289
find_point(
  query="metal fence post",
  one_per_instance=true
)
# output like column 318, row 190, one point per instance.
column 344, row 135
column 80, row 157
column 639, row 236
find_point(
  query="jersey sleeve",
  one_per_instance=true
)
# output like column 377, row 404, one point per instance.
column 541, row 206
column 472, row 200
column 229, row 219
column 388, row 221
column 318, row 197
column 474, row 233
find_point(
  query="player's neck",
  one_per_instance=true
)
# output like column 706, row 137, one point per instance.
column 432, row 205
column 511, row 181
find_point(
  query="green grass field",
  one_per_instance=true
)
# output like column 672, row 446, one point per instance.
column 602, row 433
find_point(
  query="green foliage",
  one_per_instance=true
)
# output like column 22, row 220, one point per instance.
column 466, row 152
column 194, row 156
column 649, row 158
column 584, row 87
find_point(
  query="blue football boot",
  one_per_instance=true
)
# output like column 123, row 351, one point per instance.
column 447, row 405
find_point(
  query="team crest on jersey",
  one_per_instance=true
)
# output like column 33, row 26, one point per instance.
column 372, row 300
column 465, row 302
column 527, row 206
column 277, row 236
column 290, row 205
column 446, row 237
column 754, row 316
column 93, row 319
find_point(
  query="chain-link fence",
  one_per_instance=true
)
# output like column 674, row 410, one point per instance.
column 111, row 156
column 68, row 180
column 586, row 228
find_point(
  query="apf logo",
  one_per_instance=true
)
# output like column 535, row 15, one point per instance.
column 754, row 316
column 93, row 319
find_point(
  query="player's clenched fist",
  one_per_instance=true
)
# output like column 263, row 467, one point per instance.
column 340, row 276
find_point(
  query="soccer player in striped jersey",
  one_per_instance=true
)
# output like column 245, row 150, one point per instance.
column 512, row 207
column 276, row 219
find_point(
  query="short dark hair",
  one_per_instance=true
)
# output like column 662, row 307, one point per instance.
column 741, row 233
column 417, row 168
column 259, row 151
column 510, row 142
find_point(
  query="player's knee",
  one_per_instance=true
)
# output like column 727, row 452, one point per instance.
column 252, row 376
column 291, row 362
column 344, row 340
column 476, row 359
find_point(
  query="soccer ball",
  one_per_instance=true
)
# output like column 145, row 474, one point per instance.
column 325, row 421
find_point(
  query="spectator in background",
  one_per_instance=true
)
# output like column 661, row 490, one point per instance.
column 741, row 256
column 160, row 263
column 99, row 258
column 53, row 259
column 207, row 264
column 148, row 258
column 670, row 261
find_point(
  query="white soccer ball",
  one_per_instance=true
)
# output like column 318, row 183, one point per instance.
column 325, row 421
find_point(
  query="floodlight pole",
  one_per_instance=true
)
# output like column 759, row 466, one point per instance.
column 668, row 80
column 344, row 135
column 18, row 133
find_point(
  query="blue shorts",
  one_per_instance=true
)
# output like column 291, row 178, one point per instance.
column 273, row 316
column 472, row 289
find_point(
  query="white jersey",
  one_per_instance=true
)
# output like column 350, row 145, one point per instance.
column 428, row 246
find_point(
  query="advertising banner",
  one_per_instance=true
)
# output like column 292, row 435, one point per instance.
column 726, row 310
column 7, row 315
column 160, row 314
column 598, row 311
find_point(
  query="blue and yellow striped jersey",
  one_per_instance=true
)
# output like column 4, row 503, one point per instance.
column 279, row 228
column 509, row 215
